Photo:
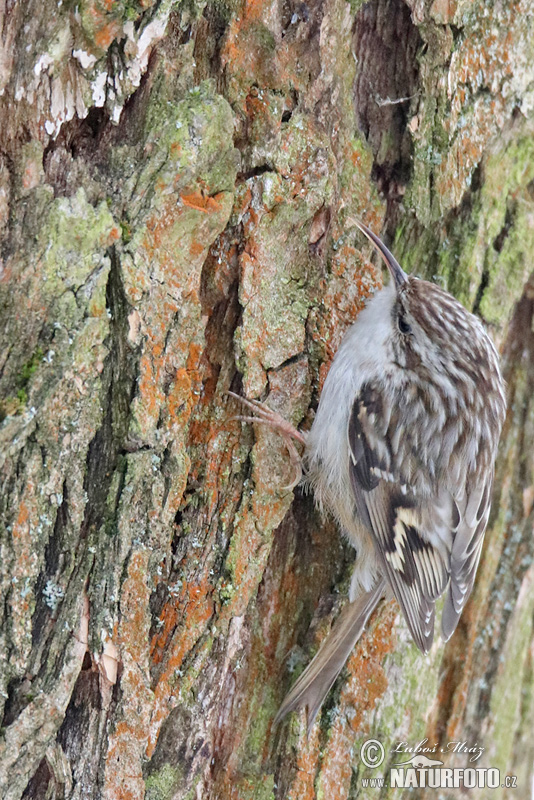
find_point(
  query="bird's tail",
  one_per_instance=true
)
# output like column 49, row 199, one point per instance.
column 313, row 685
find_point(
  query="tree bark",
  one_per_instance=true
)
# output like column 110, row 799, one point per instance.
column 177, row 186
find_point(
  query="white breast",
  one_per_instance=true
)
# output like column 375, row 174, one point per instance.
column 362, row 355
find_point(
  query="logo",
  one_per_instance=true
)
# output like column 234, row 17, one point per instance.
column 420, row 762
column 421, row 771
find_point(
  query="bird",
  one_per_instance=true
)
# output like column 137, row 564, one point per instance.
column 401, row 452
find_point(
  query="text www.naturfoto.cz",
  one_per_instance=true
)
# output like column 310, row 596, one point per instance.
column 442, row 778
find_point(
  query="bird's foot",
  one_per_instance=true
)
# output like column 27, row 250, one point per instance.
column 264, row 415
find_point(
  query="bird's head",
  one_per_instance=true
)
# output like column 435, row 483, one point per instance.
column 432, row 335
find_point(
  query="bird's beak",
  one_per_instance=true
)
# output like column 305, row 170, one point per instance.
column 396, row 271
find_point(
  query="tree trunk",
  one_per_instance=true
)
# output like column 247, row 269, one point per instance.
column 177, row 186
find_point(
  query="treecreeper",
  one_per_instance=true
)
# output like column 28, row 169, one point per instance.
column 402, row 452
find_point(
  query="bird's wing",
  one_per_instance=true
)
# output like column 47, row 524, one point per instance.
column 471, row 517
column 386, row 502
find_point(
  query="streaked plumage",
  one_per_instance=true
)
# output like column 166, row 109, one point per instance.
column 402, row 452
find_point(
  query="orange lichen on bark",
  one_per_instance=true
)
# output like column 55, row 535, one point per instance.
column 23, row 568
column 202, row 202
column 124, row 774
column 150, row 393
column 22, row 520
column 303, row 786
column 367, row 683
column 105, row 31
column 21, row 536
column 179, row 399
column 183, row 624
column 159, row 246
column 105, row 35
column 127, row 742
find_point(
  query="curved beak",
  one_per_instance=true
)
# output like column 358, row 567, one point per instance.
column 396, row 271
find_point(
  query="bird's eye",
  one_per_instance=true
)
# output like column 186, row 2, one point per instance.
column 403, row 325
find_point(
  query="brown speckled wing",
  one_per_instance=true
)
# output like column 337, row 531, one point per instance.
column 389, row 507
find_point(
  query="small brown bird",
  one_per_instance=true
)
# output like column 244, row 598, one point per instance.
column 402, row 452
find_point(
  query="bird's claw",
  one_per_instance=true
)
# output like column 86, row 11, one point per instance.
column 266, row 416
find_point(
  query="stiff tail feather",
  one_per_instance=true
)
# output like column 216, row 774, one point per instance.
column 315, row 682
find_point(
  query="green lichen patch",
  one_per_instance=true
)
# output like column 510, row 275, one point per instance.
column 15, row 404
column 72, row 240
column 192, row 140
column 161, row 785
column 67, row 283
column 483, row 259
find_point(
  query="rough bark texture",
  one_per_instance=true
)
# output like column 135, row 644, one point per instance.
column 176, row 187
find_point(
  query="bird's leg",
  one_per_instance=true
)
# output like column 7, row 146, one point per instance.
column 264, row 415
column 269, row 417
